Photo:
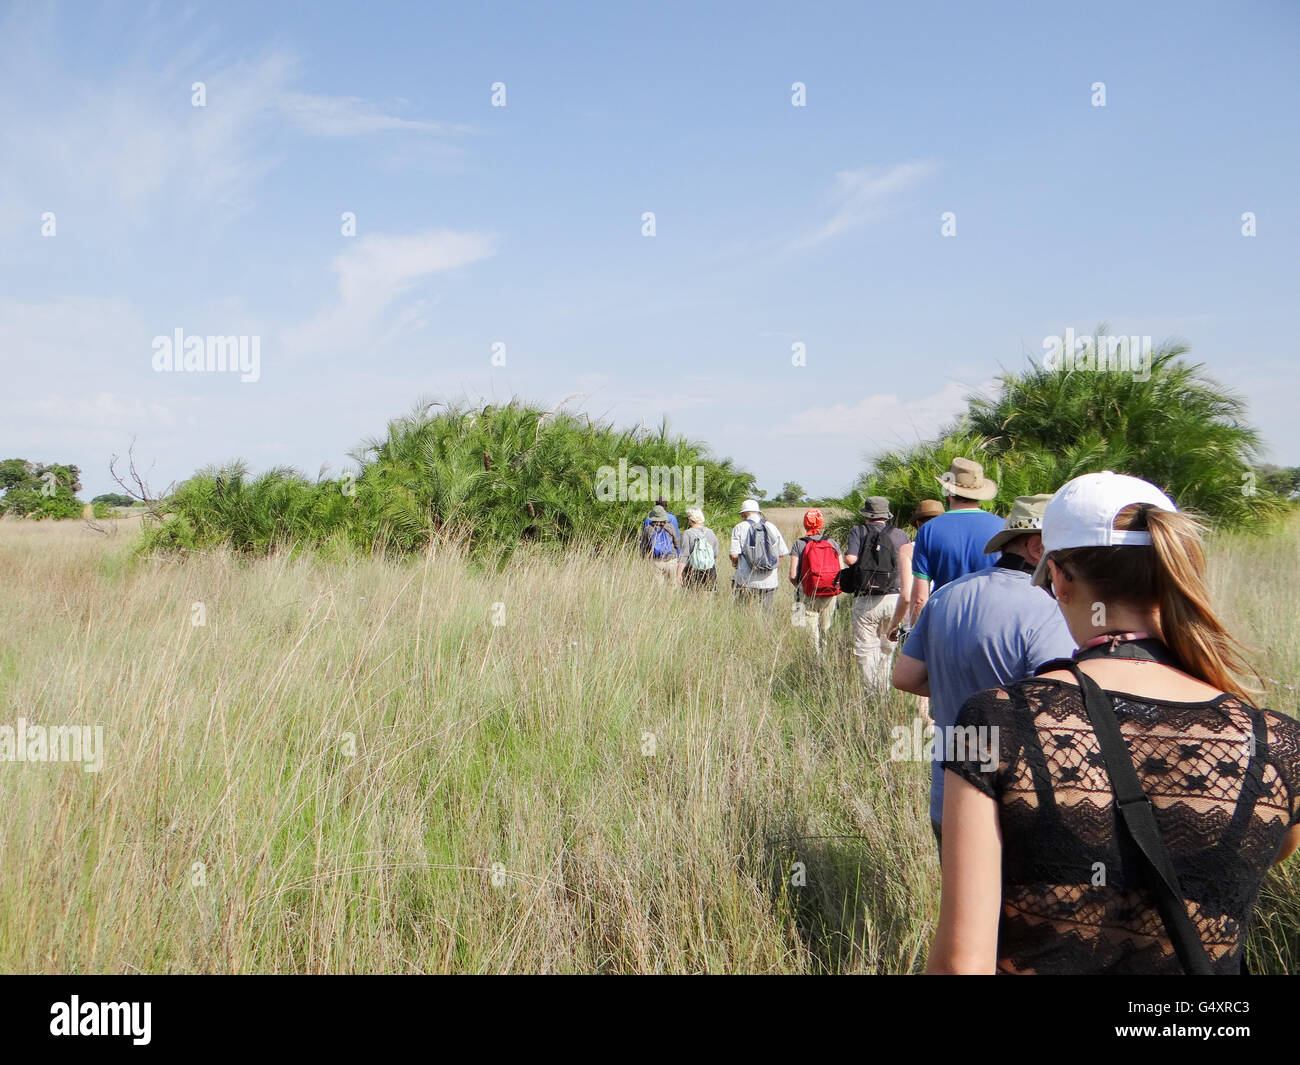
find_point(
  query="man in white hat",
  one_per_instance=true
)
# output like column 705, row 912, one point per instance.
column 983, row 630
column 757, row 548
column 953, row 543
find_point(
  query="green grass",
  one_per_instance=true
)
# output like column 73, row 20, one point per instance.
column 227, row 746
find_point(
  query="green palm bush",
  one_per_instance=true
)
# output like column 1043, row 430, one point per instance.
column 1179, row 429
column 491, row 477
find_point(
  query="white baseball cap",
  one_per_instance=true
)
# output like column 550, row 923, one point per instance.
column 748, row 505
column 1082, row 514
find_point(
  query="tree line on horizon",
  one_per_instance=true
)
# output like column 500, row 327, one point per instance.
column 500, row 475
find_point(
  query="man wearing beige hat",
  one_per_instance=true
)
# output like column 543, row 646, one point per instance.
column 981, row 631
column 953, row 543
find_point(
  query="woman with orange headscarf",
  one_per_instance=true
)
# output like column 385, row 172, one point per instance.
column 815, row 564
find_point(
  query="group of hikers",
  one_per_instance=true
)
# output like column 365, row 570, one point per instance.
column 1106, row 794
column 888, row 576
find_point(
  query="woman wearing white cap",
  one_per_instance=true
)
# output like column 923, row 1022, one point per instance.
column 1045, row 870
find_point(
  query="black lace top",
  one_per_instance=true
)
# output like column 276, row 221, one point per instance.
column 1072, row 898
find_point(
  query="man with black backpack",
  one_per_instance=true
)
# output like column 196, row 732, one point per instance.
column 757, row 548
column 873, row 565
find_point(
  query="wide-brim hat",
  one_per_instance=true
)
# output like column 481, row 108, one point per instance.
column 965, row 478
column 748, row 505
column 877, row 508
column 1026, row 517
column 927, row 508
column 1083, row 513
column 658, row 514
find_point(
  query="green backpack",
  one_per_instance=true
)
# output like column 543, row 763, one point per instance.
column 701, row 556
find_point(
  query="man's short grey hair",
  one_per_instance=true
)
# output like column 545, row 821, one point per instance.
column 695, row 515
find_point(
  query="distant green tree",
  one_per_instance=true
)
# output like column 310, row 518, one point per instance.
column 1280, row 480
column 33, row 489
column 15, row 473
column 114, row 499
column 791, row 493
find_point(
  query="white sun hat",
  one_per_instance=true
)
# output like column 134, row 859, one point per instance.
column 748, row 505
column 1082, row 514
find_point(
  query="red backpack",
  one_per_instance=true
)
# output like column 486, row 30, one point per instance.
column 819, row 569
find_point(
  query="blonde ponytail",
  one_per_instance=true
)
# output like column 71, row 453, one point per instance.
column 1188, row 624
column 1170, row 574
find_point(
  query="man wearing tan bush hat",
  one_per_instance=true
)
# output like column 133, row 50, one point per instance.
column 953, row 543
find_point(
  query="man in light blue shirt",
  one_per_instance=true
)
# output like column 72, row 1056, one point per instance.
column 981, row 631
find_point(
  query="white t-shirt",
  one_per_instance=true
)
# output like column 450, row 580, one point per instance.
column 739, row 535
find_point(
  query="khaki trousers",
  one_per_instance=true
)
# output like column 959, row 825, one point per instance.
column 871, row 645
column 816, row 615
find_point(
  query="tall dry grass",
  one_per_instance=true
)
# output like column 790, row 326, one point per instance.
column 231, row 830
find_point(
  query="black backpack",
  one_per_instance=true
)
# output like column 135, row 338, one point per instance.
column 876, row 569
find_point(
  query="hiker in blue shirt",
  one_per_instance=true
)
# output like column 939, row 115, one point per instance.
column 672, row 518
column 661, row 544
column 953, row 543
column 980, row 631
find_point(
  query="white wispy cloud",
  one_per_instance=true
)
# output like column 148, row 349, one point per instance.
column 136, row 133
column 351, row 116
column 374, row 274
column 863, row 195
column 133, row 132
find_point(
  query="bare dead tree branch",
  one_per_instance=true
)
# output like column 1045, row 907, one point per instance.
column 95, row 525
column 138, row 488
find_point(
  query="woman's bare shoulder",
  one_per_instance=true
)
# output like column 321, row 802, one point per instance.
column 1149, row 680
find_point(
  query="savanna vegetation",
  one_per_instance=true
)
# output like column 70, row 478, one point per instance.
column 338, row 737
column 490, row 478
column 1178, row 428
column 349, row 765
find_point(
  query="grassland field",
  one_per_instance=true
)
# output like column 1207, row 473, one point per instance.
column 349, row 767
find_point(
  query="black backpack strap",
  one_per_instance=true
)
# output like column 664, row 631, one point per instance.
column 1138, row 819
column 1252, row 785
column 1054, row 665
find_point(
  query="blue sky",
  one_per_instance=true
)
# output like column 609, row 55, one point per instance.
column 521, row 224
